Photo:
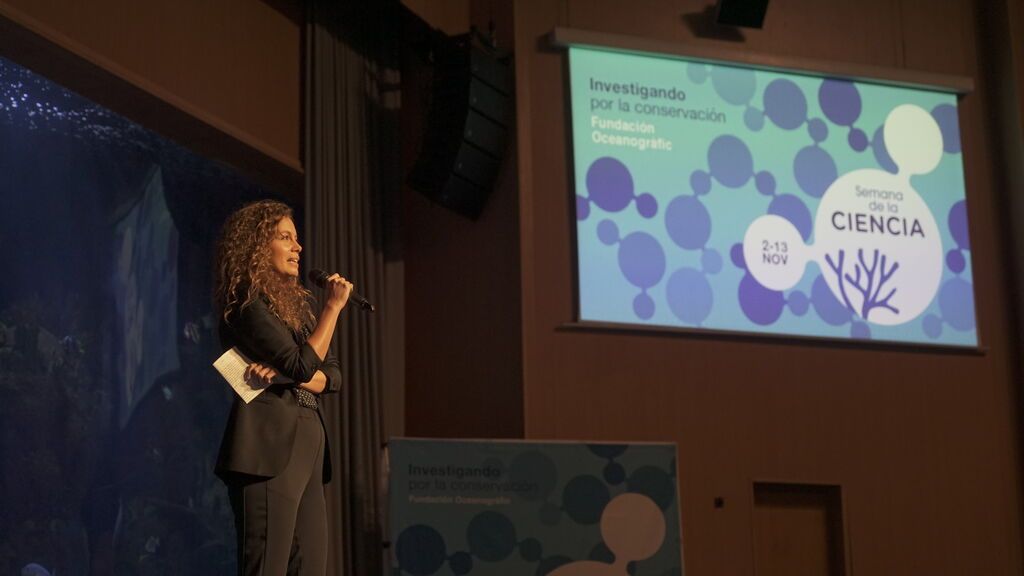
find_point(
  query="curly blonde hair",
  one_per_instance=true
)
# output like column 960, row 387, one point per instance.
column 243, row 266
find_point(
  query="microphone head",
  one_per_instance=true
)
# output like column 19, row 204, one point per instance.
column 317, row 276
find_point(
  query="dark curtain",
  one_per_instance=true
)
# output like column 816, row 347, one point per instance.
column 352, row 181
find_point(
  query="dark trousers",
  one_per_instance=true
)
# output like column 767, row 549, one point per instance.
column 281, row 522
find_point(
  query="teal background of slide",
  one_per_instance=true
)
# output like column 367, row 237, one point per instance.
column 739, row 104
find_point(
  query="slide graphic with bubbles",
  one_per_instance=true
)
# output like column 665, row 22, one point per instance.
column 726, row 198
column 558, row 509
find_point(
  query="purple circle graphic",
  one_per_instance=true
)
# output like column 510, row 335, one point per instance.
column 881, row 153
column 798, row 302
column 814, row 170
column 491, row 536
column 607, row 232
column 958, row 225
column 641, row 259
column 730, row 161
column 420, row 550
column 654, row 483
column 697, row 73
column 689, row 295
column 582, row 207
column 584, row 498
column 761, row 305
column 614, row 473
column 840, row 101
column 793, row 209
column 460, row 563
column 531, row 549
column 817, row 129
column 700, row 182
column 785, row 104
column 828, row 307
column 857, row 139
column 932, row 326
column 955, row 261
column 734, row 85
column 688, row 222
column 753, row 118
column 643, row 306
column 860, row 331
column 647, row 205
column 609, row 184
column 765, row 182
column 736, row 255
column 600, row 552
column 956, row 301
column 711, row 261
column 949, row 125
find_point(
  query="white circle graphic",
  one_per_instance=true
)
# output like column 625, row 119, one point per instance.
column 878, row 246
column 913, row 139
column 774, row 252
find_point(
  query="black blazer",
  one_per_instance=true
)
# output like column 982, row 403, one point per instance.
column 259, row 436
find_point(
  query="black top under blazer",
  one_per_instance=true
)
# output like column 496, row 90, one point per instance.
column 259, row 436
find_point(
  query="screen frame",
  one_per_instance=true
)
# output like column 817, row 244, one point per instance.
column 564, row 38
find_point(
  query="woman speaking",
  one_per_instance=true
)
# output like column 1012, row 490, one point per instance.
column 274, row 457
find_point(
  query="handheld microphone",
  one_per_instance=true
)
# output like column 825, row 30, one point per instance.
column 319, row 277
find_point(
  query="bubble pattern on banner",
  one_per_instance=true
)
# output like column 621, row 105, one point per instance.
column 814, row 170
column 857, row 275
column 492, row 537
column 759, row 304
column 610, row 187
column 840, row 101
column 641, row 260
column 614, row 473
column 688, row 222
column 420, row 550
column 583, row 499
column 654, row 483
column 786, row 106
column 885, row 162
column 534, row 468
column 641, row 257
column 736, row 86
column 956, row 295
column 601, row 553
column 949, row 125
column 622, row 546
column 689, row 295
column 730, row 164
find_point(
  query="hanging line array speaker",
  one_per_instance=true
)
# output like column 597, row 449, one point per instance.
column 467, row 127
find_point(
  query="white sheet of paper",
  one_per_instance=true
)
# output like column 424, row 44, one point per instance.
column 232, row 365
